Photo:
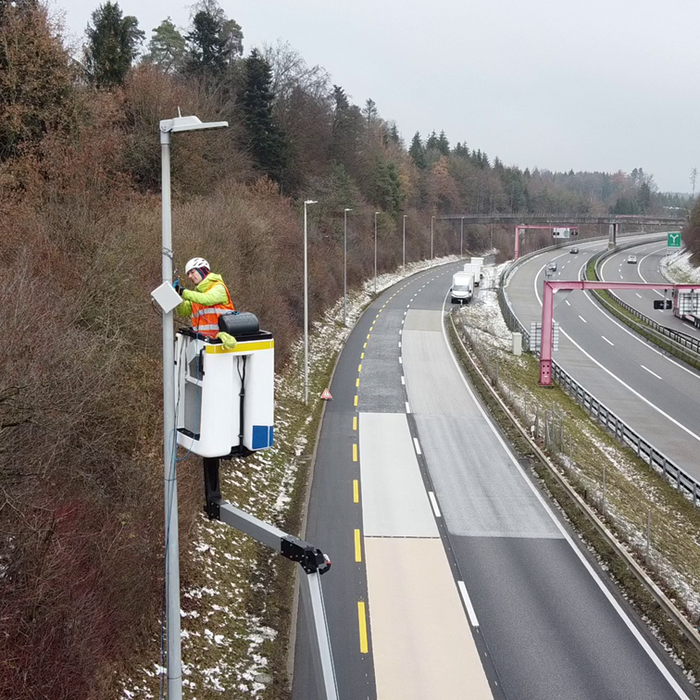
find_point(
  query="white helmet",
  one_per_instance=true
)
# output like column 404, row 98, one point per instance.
column 196, row 263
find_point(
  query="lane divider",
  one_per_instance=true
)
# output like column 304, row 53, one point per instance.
column 434, row 504
column 417, row 446
column 362, row 619
column 358, row 547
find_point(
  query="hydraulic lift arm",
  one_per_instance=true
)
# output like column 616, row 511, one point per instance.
column 312, row 560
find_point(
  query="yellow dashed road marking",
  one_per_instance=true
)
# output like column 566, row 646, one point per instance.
column 362, row 619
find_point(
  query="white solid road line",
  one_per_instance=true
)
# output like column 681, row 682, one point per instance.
column 656, row 291
column 637, row 338
column 584, row 561
column 615, row 377
column 434, row 504
column 468, row 604
column 650, row 372
column 607, row 341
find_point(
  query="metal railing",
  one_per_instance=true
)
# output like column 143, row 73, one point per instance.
column 685, row 341
column 599, row 411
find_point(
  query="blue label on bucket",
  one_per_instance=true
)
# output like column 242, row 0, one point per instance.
column 260, row 436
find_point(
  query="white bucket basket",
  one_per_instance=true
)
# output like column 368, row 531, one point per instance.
column 225, row 398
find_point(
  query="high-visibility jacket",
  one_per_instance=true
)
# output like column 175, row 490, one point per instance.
column 205, row 304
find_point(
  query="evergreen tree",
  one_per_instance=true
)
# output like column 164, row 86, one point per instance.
column 432, row 144
column 461, row 150
column 388, row 190
column 267, row 141
column 370, row 111
column 443, row 145
column 340, row 99
column 417, row 152
column 644, row 197
column 166, row 49
column 112, row 46
column 214, row 41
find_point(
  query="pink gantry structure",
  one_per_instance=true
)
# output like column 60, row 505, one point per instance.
column 551, row 287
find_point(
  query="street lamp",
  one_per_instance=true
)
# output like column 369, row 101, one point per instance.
column 376, row 214
column 172, row 562
column 345, row 268
column 404, row 245
column 306, row 304
column 461, row 238
column 432, row 221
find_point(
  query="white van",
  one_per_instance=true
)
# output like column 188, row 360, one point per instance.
column 462, row 287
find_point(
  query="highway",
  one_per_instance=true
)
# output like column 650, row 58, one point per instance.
column 653, row 393
column 648, row 269
column 451, row 576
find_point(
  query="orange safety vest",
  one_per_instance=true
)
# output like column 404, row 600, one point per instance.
column 205, row 319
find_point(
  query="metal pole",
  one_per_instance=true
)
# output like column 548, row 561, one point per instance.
column 172, row 562
column 375, row 252
column 461, row 238
column 432, row 221
column 345, row 269
column 404, row 245
column 306, row 311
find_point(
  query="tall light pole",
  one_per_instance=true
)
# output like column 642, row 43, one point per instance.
column 376, row 214
column 432, row 221
column 461, row 238
column 345, row 268
column 172, row 554
column 404, row 245
column 306, row 303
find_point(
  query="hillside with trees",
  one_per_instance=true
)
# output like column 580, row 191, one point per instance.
column 80, row 372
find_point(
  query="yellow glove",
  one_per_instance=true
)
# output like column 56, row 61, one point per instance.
column 228, row 341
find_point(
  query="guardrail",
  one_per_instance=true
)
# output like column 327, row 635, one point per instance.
column 599, row 411
column 685, row 341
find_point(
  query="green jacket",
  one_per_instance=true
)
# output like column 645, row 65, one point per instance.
column 203, row 295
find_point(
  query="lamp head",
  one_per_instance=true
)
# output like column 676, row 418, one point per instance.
column 190, row 123
column 310, row 201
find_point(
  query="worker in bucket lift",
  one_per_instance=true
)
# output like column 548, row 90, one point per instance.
column 209, row 300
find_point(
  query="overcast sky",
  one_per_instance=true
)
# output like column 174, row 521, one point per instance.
column 556, row 84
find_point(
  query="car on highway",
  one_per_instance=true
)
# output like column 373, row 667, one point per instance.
column 632, row 259
column 574, row 251
column 552, row 267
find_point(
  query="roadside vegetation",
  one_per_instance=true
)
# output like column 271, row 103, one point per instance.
column 81, row 508
column 655, row 522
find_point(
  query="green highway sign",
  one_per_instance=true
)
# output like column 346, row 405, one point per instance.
column 674, row 239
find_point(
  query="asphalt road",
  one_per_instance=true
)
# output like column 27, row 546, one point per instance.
column 468, row 584
column 653, row 393
column 647, row 269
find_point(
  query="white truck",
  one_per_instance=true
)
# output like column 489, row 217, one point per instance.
column 473, row 269
column 479, row 262
column 462, row 287
column 686, row 305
